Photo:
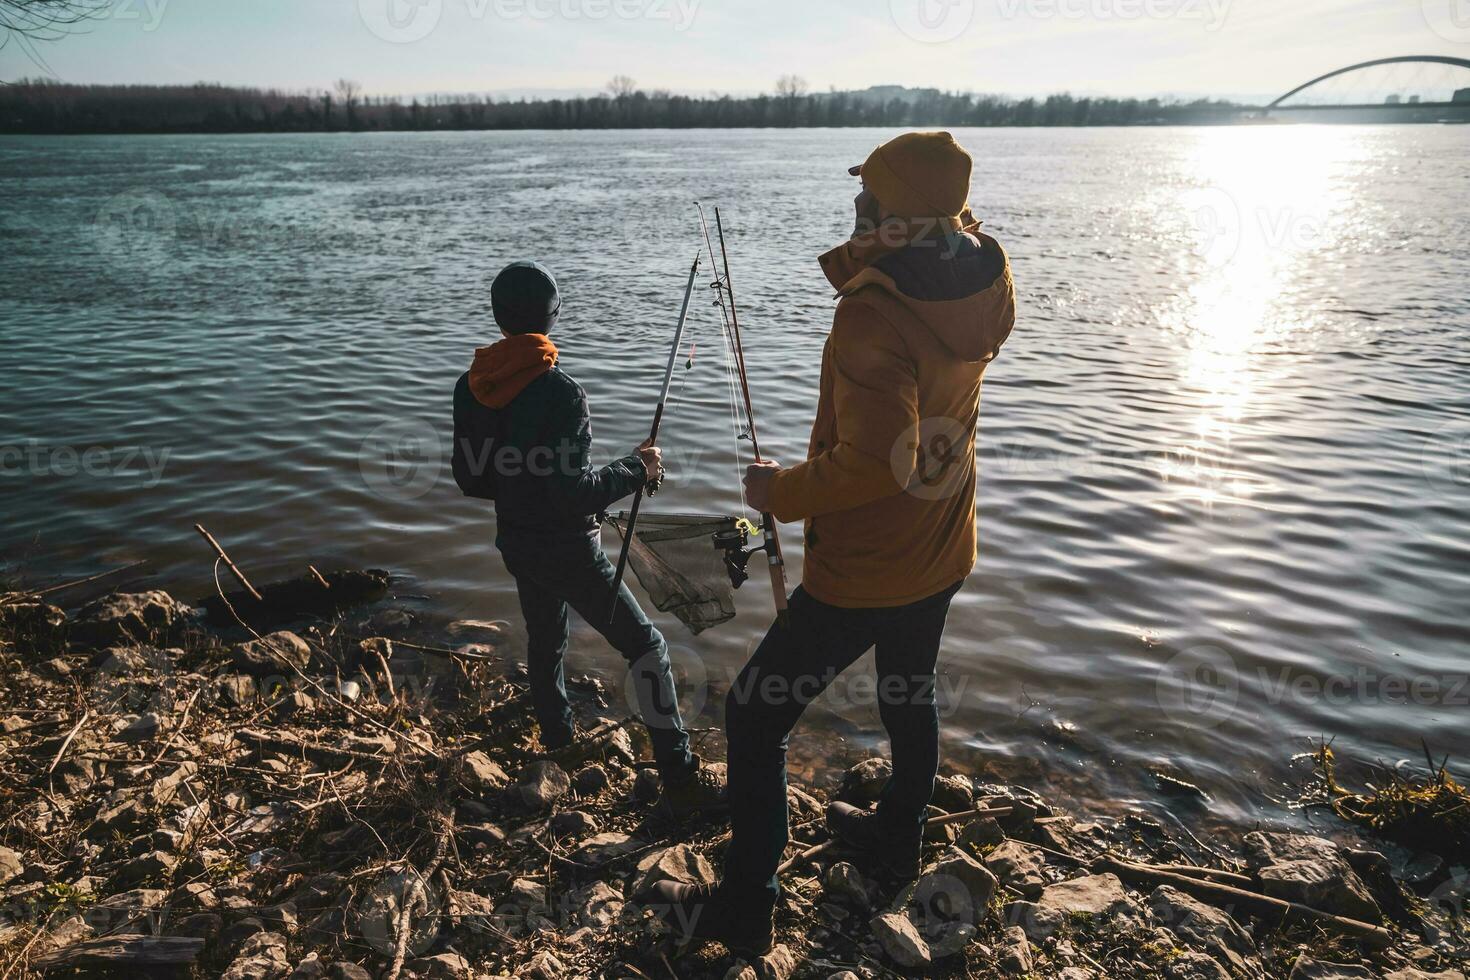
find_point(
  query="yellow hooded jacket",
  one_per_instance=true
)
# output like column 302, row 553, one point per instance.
column 888, row 488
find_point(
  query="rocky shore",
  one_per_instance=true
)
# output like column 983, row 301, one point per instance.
column 335, row 791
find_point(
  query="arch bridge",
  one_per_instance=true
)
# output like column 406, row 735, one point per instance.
column 1448, row 101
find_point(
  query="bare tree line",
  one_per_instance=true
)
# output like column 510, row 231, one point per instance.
column 42, row 106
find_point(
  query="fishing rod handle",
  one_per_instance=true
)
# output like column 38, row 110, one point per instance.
column 776, row 562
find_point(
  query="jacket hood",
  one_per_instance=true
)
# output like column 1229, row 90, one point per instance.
column 502, row 370
column 954, row 279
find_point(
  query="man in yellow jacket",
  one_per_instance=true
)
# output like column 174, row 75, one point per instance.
column 888, row 496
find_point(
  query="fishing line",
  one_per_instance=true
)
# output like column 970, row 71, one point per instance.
column 740, row 427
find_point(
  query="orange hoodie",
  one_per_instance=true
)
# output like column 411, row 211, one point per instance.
column 888, row 488
column 502, row 370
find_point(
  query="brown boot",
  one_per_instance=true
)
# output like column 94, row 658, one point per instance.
column 706, row 913
column 702, row 791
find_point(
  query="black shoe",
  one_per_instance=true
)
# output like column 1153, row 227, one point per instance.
column 880, row 847
column 702, row 791
column 704, row 912
column 567, row 749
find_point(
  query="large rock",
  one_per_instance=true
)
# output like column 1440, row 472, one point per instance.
column 1091, row 896
column 844, row 884
column 127, row 617
column 778, row 964
column 39, row 620
column 444, row 966
column 576, row 824
column 957, row 887
column 864, row 781
column 1311, row 871
column 680, row 863
column 948, row 938
column 11, row 865
column 155, row 866
column 901, row 940
column 590, row 780
column 604, row 847
column 1309, row 969
column 1206, row 928
column 1191, row 964
column 1018, row 867
column 540, row 785
column 262, row 957
column 483, row 774
column 953, row 794
column 476, row 914
column 597, row 906
column 275, row 654
column 1014, row 953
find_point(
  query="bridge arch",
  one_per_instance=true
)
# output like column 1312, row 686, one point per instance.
column 1433, row 59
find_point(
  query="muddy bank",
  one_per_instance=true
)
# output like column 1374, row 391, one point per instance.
column 347, row 789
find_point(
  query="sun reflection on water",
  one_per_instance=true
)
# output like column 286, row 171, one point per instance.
column 1266, row 203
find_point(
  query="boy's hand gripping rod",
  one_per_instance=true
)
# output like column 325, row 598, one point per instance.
column 658, row 417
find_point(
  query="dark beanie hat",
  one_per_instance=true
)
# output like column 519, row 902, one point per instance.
column 524, row 298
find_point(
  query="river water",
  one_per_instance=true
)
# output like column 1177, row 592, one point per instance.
column 1225, row 456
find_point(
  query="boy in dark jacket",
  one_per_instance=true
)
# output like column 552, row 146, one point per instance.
column 523, row 438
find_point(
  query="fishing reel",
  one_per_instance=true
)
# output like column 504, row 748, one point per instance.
column 737, row 556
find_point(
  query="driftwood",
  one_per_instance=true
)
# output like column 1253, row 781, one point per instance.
column 313, row 594
column 315, row 750
column 138, row 955
column 1228, row 895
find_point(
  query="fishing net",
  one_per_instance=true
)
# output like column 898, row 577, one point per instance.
column 681, row 561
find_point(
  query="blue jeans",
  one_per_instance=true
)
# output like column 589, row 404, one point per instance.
column 791, row 667
column 554, row 573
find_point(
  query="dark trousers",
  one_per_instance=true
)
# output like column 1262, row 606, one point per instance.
column 552, row 574
column 793, row 665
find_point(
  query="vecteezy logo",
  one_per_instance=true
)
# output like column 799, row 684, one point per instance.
column 1446, row 926
column 651, row 701
column 1446, row 459
column 1200, row 686
column 929, row 459
column 1450, row 19
column 402, row 459
column 133, row 680
column 932, row 21
column 401, row 21
column 1214, row 224
column 136, row 229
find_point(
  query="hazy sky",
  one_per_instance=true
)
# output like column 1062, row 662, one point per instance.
column 1127, row 47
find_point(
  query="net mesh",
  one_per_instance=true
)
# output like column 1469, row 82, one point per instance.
column 681, row 568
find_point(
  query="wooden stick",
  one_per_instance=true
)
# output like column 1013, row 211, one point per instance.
column 1227, row 895
column 1208, row 874
column 66, row 742
column 949, row 818
column 234, row 569
column 81, row 581
column 318, row 576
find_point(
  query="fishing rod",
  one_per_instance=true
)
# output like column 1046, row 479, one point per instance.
column 658, row 417
column 725, row 288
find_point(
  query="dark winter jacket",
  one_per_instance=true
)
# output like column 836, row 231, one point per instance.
column 533, row 458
